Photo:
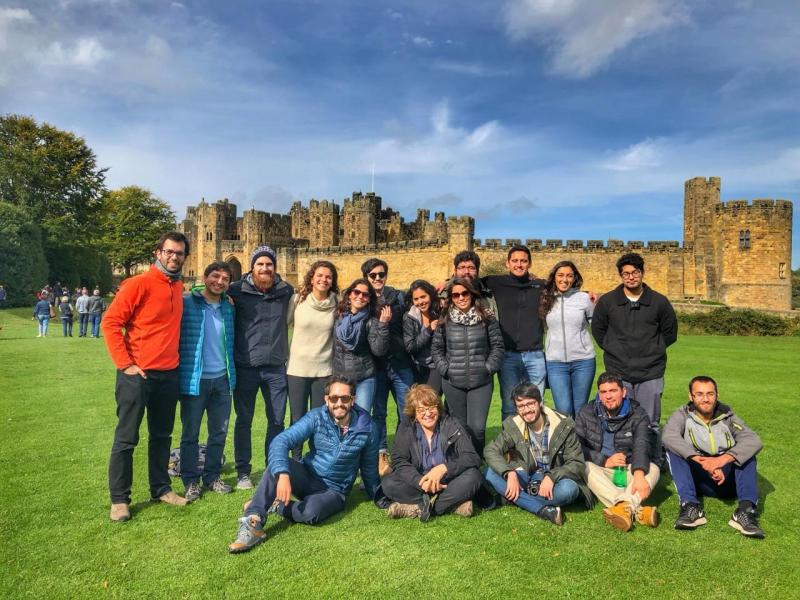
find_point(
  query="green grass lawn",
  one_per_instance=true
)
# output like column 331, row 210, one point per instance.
column 57, row 416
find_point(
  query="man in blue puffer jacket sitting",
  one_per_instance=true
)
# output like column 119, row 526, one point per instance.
column 207, row 375
column 343, row 440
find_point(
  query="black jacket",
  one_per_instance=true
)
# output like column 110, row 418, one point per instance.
column 459, row 455
column 417, row 339
column 518, row 308
column 634, row 336
column 397, row 355
column 261, row 337
column 632, row 435
column 359, row 364
column 468, row 355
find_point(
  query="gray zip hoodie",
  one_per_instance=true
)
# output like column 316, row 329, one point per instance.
column 568, row 337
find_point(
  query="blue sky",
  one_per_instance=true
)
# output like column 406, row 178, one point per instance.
column 571, row 119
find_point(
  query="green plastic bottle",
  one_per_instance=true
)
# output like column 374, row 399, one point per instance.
column 620, row 477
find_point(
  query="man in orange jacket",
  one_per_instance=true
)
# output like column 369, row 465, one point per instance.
column 148, row 308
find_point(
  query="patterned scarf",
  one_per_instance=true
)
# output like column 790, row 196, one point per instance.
column 471, row 317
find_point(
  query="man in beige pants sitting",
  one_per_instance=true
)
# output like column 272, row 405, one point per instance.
column 618, row 444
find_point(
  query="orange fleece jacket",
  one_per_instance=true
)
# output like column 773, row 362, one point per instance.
column 149, row 308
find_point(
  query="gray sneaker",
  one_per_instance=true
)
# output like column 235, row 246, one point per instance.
column 220, row 487
column 193, row 492
column 244, row 483
column 251, row 534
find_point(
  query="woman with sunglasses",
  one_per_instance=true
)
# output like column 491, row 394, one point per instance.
column 467, row 349
column 419, row 325
column 311, row 313
column 569, row 349
column 435, row 465
column 361, row 334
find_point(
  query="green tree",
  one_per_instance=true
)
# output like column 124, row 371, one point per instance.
column 133, row 219
column 23, row 267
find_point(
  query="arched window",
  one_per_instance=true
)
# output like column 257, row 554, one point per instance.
column 744, row 239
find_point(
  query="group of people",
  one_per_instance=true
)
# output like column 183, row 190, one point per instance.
column 218, row 345
column 57, row 302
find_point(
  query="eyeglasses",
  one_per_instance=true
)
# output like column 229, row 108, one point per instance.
column 346, row 399
column 177, row 254
column 469, row 269
column 424, row 410
column 378, row 275
column 526, row 406
column 459, row 295
column 701, row 395
column 630, row 274
column 360, row 293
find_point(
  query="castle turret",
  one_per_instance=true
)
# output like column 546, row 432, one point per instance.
column 323, row 223
column 460, row 234
column 701, row 196
column 360, row 219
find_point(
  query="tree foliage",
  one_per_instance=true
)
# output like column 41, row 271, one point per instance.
column 23, row 267
column 133, row 220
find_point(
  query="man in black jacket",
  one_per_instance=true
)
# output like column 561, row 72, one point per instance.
column 634, row 325
column 261, row 348
column 617, row 444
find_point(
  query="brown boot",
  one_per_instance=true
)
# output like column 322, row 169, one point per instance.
column 464, row 509
column 172, row 498
column 648, row 515
column 402, row 511
column 120, row 512
column 619, row 516
column 384, row 468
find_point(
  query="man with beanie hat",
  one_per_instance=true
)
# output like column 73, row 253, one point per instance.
column 261, row 349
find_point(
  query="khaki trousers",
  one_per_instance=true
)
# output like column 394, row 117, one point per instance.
column 599, row 480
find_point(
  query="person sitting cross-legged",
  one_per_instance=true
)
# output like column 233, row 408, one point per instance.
column 536, row 462
column 345, row 439
column 617, row 441
column 435, row 465
column 711, row 452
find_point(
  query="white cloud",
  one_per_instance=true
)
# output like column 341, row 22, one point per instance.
column 11, row 18
column 583, row 35
column 475, row 69
column 85, row 53
column 642, row 155
column 422, row 41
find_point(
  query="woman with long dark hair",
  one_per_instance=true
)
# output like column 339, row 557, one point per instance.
column 419, row 325
column 312, row 312
column 468, row 350
column 569, row 350
column 361, row 334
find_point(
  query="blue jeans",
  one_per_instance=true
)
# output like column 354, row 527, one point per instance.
column 215, row 401
column 692, row 480
column 517, row 367
column 95, row 318
column 44, row 321
column 570, row 383
column 66, row 326
column 83, row 324
column 365, row 393
column 398, row 380
column 272, row 382
column 564, row 491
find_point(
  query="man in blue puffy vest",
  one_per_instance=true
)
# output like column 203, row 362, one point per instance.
column 345, row 439
column 207, row 376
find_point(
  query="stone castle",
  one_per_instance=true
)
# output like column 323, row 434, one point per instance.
column 736, row 252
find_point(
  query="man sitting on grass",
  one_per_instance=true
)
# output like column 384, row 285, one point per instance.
column 712, row 452
column 345, row 440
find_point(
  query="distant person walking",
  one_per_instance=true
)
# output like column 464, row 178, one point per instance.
column 96, row 307
column 65, row 310
column 82, row 306
column 43, row 312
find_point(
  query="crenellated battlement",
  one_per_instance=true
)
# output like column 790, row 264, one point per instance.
column 550, row 245
column 779, row 207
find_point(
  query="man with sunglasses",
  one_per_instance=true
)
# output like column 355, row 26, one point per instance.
column 343, row 439
column 634, row 325
column 148, row 309
column 394, row 372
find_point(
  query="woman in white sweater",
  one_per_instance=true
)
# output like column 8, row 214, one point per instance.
column 311, row 313
column 569, row 348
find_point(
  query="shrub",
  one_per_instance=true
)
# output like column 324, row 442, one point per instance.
column 724, row 321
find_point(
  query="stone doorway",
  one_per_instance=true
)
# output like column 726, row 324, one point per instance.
column 236, row 268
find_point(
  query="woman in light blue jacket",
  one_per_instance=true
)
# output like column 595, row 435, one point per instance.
column 569, row 348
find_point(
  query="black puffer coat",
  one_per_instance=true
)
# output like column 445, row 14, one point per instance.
column 468, row 355
column 632, row 435
column 359, row 364
column 417, row 339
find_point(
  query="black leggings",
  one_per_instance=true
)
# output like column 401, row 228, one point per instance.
column 471, row 408
column 458, row 490
column 429, row 377
column 300, row 389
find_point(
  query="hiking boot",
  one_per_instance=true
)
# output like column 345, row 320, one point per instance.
column 648, row 516
column 426, row 510
column 619, row 516
column 554, row 514
column 384, row 468
column 193, row 492
column 745, row 521
column 250, row 534
column 690, row 517
column 171, row 498
column 120, row 512
column 402, row 511
column 220, row 487
column 244, row 482
column 464, row 509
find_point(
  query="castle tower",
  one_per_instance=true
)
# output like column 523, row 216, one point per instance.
column 701, row 196
column 323, row 224
column 360, row 219
column 754, row 249
column 460, row 234
column 300, row 221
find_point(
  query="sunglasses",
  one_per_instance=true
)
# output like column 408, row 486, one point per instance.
column 459, row 295
column 359, row 293
column 378, row 275
column 346, row 399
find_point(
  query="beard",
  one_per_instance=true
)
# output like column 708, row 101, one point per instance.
column 264, row 280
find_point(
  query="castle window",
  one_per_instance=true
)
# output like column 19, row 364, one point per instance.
column 782, row 270
column 744, row 239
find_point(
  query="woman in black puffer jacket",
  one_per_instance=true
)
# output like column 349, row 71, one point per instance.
column 419, row 326
column 467, row 349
